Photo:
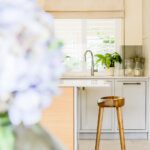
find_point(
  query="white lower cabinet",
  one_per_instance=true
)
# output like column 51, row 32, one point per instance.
column 134, row 111
column 89, row 108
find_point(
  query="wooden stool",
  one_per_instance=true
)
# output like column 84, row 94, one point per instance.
column 110, row 101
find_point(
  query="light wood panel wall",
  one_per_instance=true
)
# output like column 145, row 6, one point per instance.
column 87, row 15
column 84, row 5
column 58, row 118
column 41, row 2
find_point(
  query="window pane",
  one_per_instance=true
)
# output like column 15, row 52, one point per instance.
column 70, row 31
column 99, row 35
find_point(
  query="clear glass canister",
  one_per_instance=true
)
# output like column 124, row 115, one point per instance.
column 129, row 67
column 143, row 65
column 138, row 69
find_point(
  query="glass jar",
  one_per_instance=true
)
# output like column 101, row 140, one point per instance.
column 35, row 138
column 25, row 138
column 138, row 69
column 129, row 67
column 143, row 65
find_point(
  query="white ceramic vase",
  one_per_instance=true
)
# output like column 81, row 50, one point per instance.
column 110, row 71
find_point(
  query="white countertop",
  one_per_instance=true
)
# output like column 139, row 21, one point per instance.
column 102, row 77
column 82, row 75
column 96, row 81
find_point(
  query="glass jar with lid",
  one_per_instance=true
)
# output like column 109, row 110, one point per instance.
column 138, row 69
column 143, row 65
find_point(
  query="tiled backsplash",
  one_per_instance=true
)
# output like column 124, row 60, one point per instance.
column 133, row 51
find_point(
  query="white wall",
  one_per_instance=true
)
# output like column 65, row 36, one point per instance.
column 146, row 34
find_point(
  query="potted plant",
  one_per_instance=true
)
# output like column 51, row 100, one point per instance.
column 109, row 60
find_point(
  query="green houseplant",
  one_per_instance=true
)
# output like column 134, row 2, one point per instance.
column 109, row 60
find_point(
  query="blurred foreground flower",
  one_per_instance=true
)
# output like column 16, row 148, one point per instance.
column 30, row 67
column 30, row 60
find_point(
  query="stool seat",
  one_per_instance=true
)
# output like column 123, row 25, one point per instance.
column 111, row 101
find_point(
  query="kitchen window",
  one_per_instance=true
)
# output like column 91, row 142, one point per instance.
column 98, row 35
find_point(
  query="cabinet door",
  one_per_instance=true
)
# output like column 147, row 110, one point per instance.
column 134, row 111
column 89, row 108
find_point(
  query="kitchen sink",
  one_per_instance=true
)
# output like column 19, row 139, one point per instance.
column 83, row 75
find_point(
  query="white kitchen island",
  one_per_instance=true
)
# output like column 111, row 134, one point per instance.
column 87, row 90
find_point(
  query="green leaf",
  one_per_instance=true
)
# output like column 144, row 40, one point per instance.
column 108, row 62
column 108, row 59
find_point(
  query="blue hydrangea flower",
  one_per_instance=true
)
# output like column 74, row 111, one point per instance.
column 30, row 60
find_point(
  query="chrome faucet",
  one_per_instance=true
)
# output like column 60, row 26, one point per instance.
column 92, row 60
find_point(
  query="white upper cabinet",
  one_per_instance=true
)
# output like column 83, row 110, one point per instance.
column 84, row 5
column 133, row 22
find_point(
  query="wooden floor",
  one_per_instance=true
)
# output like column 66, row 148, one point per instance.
column 115, row 145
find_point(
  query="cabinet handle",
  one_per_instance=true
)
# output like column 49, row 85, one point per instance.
column 137, row 83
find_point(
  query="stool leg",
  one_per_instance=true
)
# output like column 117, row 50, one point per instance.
column 99, row 126
column 121, row 130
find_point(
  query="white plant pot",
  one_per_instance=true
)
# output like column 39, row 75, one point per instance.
column 110, row 71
